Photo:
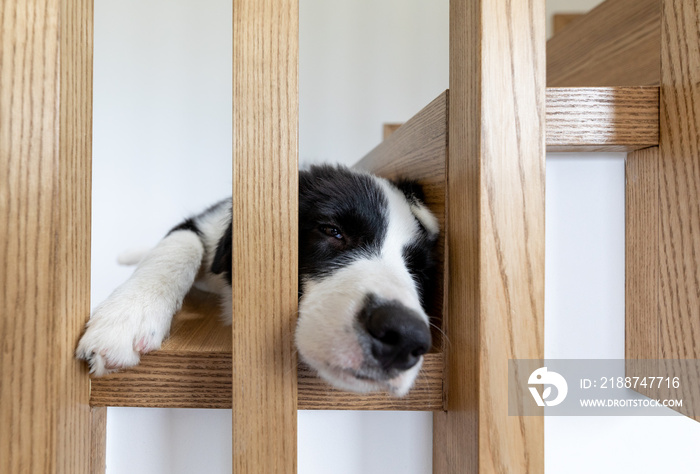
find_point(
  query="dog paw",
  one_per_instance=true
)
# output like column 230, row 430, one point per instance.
column 123, row 328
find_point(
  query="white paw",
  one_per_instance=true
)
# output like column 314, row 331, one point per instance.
column 136, row 317
column 131, row 322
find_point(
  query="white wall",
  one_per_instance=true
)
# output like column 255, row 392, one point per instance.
column 585, row 319
column 363, row 63
column 162, row 147
column 161, row 150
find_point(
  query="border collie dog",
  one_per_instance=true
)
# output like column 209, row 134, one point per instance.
column 365, row 264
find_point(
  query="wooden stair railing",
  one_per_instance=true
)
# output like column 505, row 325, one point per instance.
column 192, row 370
column 480, row 155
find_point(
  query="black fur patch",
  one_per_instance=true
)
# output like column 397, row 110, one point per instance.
column 222, row 262
column 419, row 257
column 188, row 224
column 335, row 198
column 411, row 189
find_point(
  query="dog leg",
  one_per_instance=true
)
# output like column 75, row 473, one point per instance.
column 136, row 317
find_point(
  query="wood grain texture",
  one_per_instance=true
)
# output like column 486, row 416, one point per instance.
column 679, row 181
column 426, row 395
column 561, row 20
column 418, row 151
column 199, row 380
column 598, row 119
column 679, row 188
column 98, row 440
column 45, row 152
column 495, row 234
column 169, row 380
column 642, row 254
column 602, row 118
column 264, row 239
column 193, row 370
column 642, row 265
column 666, row 323
column 615, row 44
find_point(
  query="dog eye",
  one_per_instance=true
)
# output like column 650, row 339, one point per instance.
column 331, row 231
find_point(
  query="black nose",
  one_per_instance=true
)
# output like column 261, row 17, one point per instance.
column 399, row 336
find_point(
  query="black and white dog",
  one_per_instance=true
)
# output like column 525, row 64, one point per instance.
column 365, row 264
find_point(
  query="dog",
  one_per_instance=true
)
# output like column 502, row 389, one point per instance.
column 366, row 265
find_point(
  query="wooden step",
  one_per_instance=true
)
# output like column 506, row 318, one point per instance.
column 596, row 119
column 193, row 370
column 618, row 43
column 601, row 119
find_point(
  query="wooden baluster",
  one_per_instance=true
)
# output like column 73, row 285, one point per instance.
column 495, row 234
column 45, row 173
column 265, row 203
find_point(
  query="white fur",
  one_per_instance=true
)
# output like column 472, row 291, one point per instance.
column 133, row 256
column 136, row 317
column 426, row 218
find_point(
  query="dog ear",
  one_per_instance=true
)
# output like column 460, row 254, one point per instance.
column 416, row 198
column 411, row 189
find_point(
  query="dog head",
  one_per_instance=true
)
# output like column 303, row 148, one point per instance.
column 365, row 263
